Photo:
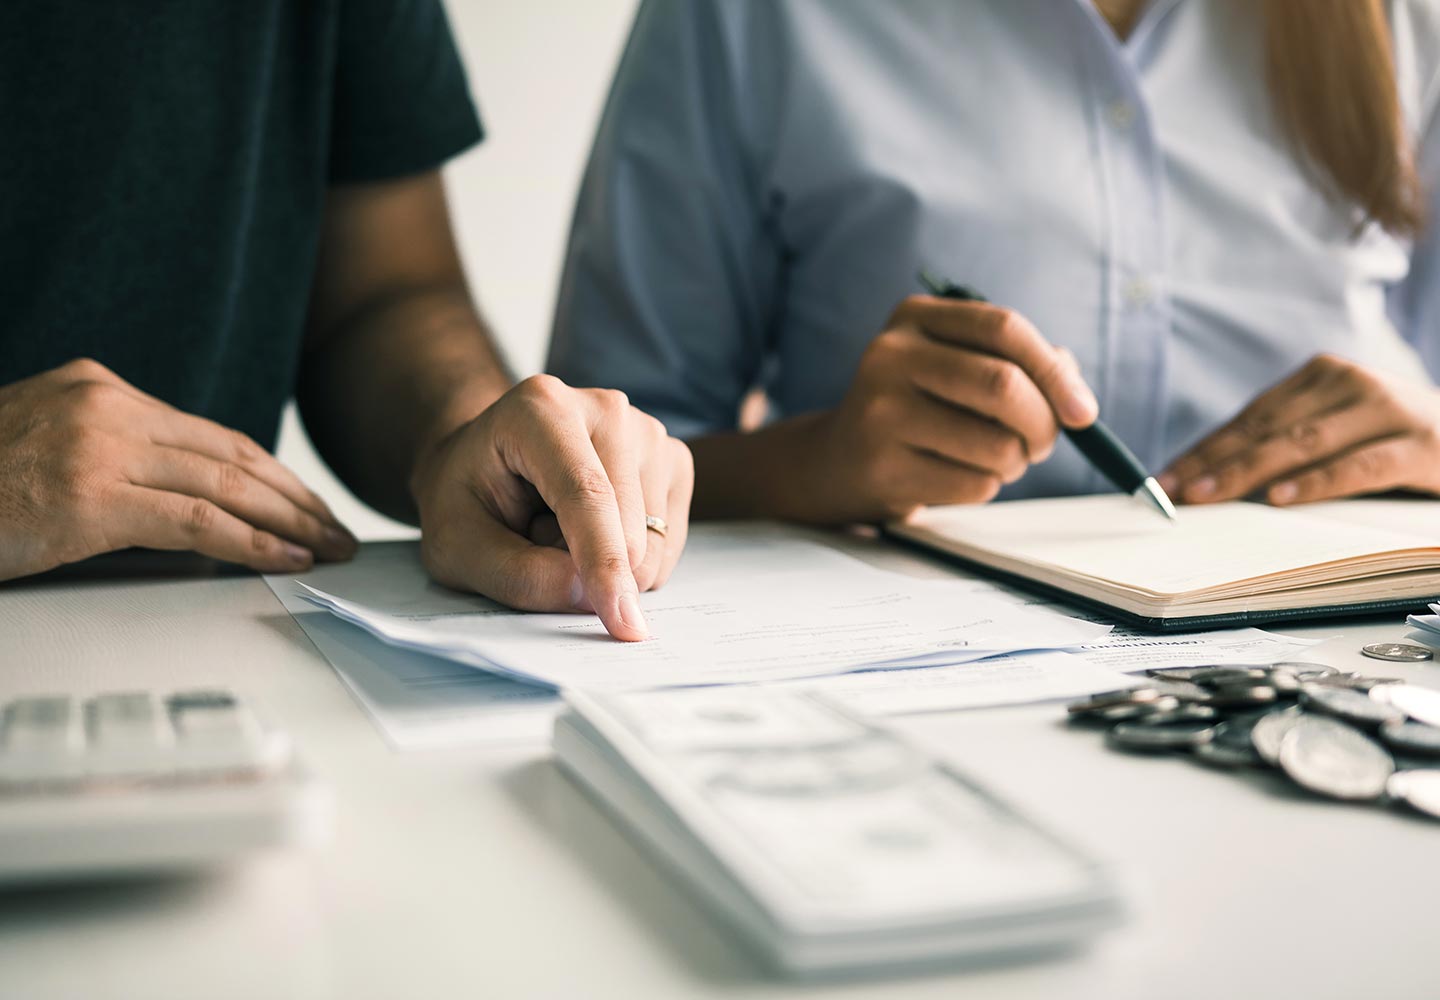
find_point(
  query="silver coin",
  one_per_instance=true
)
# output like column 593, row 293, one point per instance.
column 1352, row 706
column 1211, row 676
column 1420, row 703
column 1219, row 754
column 1330, row 758
column 1236, row 730
column 1305, row 670
column 1285, row 681
column 1355, row 682
column 1243, row 695
column 1139, row 709
column 1187, row 691
column 1183, row 712
column 1412, row 737
column 1173, row 673
column 1104, row 699
column 1397, row 652
column 1420, row 790
column 1124, row 711
column 1154, row 739
column 1269, row 732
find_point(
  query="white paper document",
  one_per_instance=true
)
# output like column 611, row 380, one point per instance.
column 1426, row 627
column 744, row 606
column 1011, row 679
column 1129, row 650
column 416, row 700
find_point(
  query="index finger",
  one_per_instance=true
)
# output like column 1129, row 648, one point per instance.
column 569, row 476
column 1007, row 334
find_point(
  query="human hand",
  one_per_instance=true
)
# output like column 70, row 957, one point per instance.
column 549, row 465
column 1331, row 429
column 951, row 401
column 90, row 464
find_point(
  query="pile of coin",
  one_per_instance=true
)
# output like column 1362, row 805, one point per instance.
column 1340, row 735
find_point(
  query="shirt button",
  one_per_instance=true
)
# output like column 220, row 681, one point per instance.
column 1138, row 292
column 1122, row 113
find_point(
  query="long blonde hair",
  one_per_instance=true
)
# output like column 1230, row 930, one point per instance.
column 1330, row 71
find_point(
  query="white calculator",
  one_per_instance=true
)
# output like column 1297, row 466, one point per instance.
column 140, row 781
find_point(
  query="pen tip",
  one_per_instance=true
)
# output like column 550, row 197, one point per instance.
column 1157, row 496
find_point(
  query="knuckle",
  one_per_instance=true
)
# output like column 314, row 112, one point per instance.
column 1013, row 460
column 198, row 516
column 1368, row 465
column 613, row 401
column 610, row 567
column 86, row 370
column 889, row 345
column 1327, row 476
column 244, row 449
column 909, row 306
column 230, row 482
column 646, row 574
column 877, row 410
column 1002, row 381
column 1253, row 425
column 90, row 401
column 261, row 543
column 1003, row 330
column 1305, row 436
column 590, row 489
column 542, row 388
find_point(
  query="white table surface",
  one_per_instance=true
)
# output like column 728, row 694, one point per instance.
column 485, row 873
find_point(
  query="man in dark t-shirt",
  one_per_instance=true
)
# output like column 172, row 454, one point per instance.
column 207, row 207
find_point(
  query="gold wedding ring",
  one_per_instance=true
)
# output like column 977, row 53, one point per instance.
column 656, row 524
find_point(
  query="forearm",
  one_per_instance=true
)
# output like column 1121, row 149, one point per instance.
column 391, row 382
column 771, row 472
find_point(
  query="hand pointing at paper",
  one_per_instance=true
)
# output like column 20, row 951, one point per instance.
column 549, row 465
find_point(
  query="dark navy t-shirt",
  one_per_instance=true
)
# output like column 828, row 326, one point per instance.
column 163, row 168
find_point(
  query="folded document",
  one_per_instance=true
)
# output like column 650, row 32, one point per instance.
column 741, row 609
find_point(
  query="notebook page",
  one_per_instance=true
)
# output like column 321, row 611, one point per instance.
column 1113, row 539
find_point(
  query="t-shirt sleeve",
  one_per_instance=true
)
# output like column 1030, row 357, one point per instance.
column 402, row 104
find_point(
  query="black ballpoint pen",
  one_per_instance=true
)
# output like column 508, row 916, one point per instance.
column 1097, row 442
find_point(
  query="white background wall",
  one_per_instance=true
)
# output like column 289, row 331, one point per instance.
column 539, row 70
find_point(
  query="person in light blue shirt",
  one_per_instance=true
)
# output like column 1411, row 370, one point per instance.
column 1184, row 210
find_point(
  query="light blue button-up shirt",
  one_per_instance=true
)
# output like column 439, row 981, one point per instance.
column 769, row 174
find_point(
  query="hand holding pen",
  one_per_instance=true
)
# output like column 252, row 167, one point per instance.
column 1096, row 442
column 951, row 401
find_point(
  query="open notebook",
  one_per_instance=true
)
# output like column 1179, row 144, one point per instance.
column 1218, row 565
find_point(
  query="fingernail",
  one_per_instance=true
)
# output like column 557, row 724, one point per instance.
column 339, row 538
column 578, row 600
column 296, row 555
column 1078, row 405
column 1201, row 488
column 631, row 615
column 1284, row 492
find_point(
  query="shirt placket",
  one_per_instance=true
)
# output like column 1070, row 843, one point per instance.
column 1134, row 325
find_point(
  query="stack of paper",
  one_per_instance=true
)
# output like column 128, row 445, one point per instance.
column 1427, row 627
column 742, row 609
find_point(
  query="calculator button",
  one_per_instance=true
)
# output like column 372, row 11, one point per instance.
column 216, row 733
column 41, row 740
column 129, row 735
